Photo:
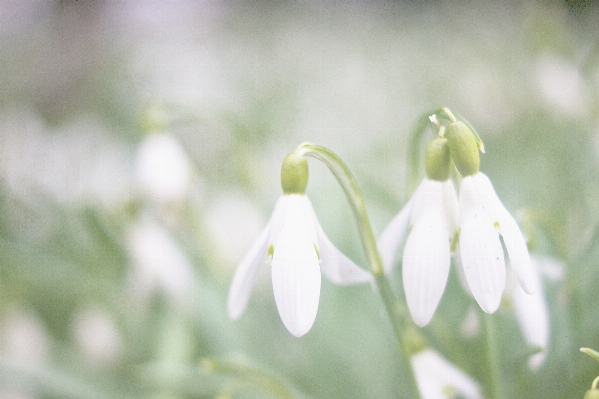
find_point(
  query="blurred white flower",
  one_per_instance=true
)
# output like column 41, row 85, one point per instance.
column 437, row 378
column 482, row 218
column 470, row 326
column 432, row 215
column 298, row 249
column 24, row 337
column 158, row 263
column 24, row 342
column 532, row 311
column 224, row 215
column 97, row 336
column 562, row 85
column 162, row 167
column 77, row 162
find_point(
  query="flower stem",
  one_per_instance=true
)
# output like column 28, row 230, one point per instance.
column 408, row 338
column 493, row 357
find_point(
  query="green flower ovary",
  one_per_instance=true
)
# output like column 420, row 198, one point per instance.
column 437, row 160
column 294, row 174
column 463, row 148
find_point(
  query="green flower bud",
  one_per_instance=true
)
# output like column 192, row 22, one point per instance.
column 294, row 174
column 463, row 148
column 592, row 394
column 437, row 160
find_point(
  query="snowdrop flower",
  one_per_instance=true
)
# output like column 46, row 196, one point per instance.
column 298, row 250
column 158, row 264
column 162, row 167
column 532, row 311
column 482, row 218
column 437, row 378
column 432, row 215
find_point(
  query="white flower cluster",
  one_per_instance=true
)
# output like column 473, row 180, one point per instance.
column 437, row 221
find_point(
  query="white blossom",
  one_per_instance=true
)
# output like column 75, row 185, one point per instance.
column 482, row 218
column 298, row 250
column 532, row 311
column 432, row 215
column 437, row 378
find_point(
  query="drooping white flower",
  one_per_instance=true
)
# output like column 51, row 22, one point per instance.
column 158, row 264
column 482, row 218
column 295, row 245
column 437, row 378
column 162, row 167
column 432, row 215
column 532, row 311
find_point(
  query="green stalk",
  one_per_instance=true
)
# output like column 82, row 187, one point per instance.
column 493, row 357
column 408, row 338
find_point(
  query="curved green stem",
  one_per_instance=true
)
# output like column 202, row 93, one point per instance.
column 449, row 114
column 352, row 191
column 592, row 353
column 409, row 339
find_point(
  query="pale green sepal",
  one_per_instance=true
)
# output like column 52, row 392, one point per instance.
column 294, row 174
column 437, row 161
column 463, row 148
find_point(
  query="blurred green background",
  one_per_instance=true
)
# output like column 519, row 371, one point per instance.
column 140, row 152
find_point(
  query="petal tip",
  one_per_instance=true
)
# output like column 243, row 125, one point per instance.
column 422, row 320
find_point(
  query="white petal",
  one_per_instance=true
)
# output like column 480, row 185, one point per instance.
column 461, row 274
column 508, row 228
column 487, row 196
column 533, row 317
column 480, row 249
column 278, row 219
column 296, row 271
column 421, row 196
column 450, row 207
column 335, row 265
column 393, row 236
column 244, row 278
column 425, row 266
column 436, row 376
column 517, row 251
